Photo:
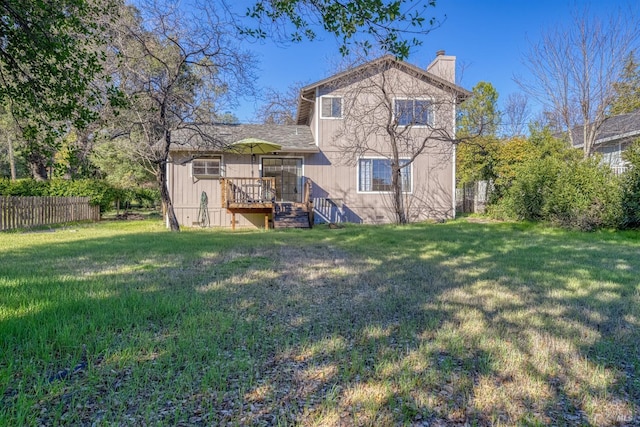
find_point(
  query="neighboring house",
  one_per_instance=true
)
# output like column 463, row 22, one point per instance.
column 613, row 138
column 320, row 169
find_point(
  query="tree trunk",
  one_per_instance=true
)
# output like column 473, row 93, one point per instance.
column 12, row 160
column 398, row 200
column 167, row 204
column 38, row 167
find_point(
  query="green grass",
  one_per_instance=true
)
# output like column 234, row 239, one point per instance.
column 485, row 324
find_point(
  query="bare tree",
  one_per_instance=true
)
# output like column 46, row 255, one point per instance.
column 280, row 107
column 573, row 70
column 393, row 110
column 179, row 68
column 516, row 115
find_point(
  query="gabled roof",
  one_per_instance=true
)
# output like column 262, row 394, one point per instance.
column 307, row 93
column 614, row 128
column 292, row 138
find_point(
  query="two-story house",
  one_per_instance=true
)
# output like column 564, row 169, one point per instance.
column 354, row 131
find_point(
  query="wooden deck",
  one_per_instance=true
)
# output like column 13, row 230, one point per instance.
column 257, row 196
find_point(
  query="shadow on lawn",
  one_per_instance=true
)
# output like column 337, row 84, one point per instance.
column 444, row 324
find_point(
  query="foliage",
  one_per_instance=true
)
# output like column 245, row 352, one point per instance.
column 525, row 199
column 476, row 159
column 585, row 196
column 115, row 158
column 99, row 191
column 477, row 123
column 511, row 153
column 479, row 115
column 631, row 187
column 385, row 22
column 556, row 185
column 626, row 97
column 50, row 59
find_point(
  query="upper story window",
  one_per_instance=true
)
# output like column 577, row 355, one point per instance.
column 210, row 167
column 414, row 112
column 331, row 107
column 374, row 175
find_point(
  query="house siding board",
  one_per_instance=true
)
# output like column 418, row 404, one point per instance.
column 186, row 192
column 433, row 188
column 332, row 170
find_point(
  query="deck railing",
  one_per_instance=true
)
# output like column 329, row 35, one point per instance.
column 247, row 191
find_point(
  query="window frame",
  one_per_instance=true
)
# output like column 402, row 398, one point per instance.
column 207, row 175
column 331, row 97
column 408, row 169
column 430, row 112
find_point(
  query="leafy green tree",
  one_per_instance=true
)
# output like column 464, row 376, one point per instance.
column 478, row 121
column 393, row 26
column 49, row 59
column 479, row 115
column 627, row 89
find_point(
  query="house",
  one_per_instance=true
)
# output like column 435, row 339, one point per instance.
column 614, row 136
column 335, row 164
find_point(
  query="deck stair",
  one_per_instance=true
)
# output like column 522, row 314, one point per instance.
column 291, row 215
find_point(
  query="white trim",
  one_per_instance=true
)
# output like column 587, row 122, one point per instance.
column 409, row 98
column 278, row 156
column 358, row 191
column 281, row 156
column 206, row 157
column 341, row 98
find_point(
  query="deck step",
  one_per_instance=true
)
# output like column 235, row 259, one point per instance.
column 289, row 215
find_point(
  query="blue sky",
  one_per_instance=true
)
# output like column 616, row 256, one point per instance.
column 488, row 37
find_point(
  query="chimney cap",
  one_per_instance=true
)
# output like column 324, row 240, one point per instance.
column 440, row 52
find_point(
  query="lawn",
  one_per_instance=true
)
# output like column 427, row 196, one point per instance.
column 444, row 324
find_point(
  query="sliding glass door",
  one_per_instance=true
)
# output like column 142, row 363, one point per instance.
column 288, row 176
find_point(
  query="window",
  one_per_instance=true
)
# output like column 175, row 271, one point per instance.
column 331, row 107
column 207, row 168
column 416, row 112
column 375, row 175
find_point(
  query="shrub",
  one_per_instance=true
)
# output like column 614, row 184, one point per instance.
column 573, row 193
column 526, row 198
column 585, row 196
column 99, row 192
column 631, row 188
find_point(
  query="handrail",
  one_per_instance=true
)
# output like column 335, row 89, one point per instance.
column 247, row 191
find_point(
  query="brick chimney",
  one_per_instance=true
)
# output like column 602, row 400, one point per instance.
column 443, row 66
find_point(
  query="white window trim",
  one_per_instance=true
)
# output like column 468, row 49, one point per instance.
column 279, row 156
column 433, row 114
column 216, row 156
column 341, row 107
column 358, row 191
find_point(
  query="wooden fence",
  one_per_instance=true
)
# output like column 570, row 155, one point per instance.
column 25, row 212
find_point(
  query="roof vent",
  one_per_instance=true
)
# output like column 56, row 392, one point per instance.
column 440, row 52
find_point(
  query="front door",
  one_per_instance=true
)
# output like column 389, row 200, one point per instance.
column 288, row 175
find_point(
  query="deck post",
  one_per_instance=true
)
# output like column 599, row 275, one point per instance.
column 266, row 221
column 233, row 221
